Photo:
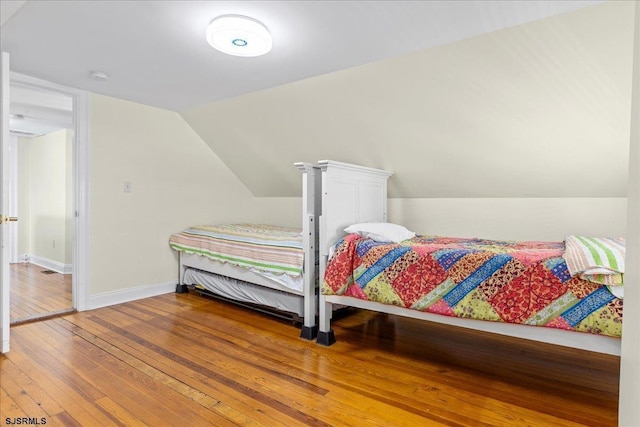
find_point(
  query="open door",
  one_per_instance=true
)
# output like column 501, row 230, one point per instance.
column 4, row 203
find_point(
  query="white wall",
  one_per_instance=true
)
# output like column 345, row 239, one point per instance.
column 44, row 189
column 550, row 219
column 629, row 410
column 24, row 211
column 285, row 211
column 176, row 181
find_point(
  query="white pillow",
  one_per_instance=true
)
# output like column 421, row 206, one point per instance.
column 383, row 232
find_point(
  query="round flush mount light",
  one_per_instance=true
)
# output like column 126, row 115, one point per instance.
column 239, row 35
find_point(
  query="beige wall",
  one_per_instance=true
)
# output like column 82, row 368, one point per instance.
column 285, row 211
column 550, row 219
column 44, row 196
column 176, row 181
column 629, row 410
column 68, row 182
column 24, row 230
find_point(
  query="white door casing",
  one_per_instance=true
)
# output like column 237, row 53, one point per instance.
column 80, row 178
column 4, row 204
column 81, row 168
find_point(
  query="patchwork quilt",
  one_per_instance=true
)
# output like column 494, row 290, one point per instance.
column 267, row 248
column 502, row 281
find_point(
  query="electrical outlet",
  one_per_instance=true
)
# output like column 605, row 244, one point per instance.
column 127, row 186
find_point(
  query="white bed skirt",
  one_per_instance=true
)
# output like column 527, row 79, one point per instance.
column 245, row 292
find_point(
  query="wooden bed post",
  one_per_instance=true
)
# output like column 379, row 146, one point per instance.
column 310, row 209
column 350, row 194
column 326, row 336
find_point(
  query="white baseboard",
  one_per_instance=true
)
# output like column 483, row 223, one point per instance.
column 50, row 264
column 126, row 295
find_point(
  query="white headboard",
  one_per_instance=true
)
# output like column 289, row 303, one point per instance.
column 350, row 194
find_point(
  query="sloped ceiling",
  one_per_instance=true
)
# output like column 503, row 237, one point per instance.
column 156, row 54
column 537, row 110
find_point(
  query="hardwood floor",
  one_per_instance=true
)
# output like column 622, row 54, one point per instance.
column 189, row 360
column 35, row 294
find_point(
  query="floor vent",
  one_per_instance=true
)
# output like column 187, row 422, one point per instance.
column 48, row 272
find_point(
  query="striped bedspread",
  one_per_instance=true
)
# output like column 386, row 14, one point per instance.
column 597, row 259
column 501, row 281
column 266, row 248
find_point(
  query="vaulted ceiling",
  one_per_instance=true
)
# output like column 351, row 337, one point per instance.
column 537, row 110
column 155, row 52
column 459, row 99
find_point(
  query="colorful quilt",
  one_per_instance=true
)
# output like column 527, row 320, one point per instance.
column 502, row 281
column 267, row 248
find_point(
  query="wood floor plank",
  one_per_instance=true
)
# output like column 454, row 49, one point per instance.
column 129, row 383
column 184, row 359
column 234, row 407
column 155, row 375
column 77, row 404
column 220, row 376
column 252, row 372
column 595, row 406
column 364, row 386
column 123, row 416
column 8, row 407
column 29, row 403
column 262, row 381
column 34, row 294
column 12, row 372
column 66, row 419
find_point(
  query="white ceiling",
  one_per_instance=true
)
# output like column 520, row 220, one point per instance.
column 156, row 54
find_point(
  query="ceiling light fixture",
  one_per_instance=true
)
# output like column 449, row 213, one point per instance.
column 239, row 35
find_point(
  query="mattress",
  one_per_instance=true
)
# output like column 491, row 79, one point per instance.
column 269, row 249
column 501, row 281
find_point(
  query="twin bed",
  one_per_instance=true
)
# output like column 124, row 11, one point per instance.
column 264, row 266
column 520, row 289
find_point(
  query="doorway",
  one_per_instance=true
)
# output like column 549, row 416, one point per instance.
column 41, row 198
column 80, row 177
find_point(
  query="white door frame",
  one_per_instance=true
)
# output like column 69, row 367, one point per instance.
column 80, row 178
column 4, row 203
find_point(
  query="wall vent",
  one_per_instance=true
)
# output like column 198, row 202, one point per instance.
column 23, row 133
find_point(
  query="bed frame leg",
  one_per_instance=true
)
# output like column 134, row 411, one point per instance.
column 182, row 289
column 326, row 338
column 309, row 332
